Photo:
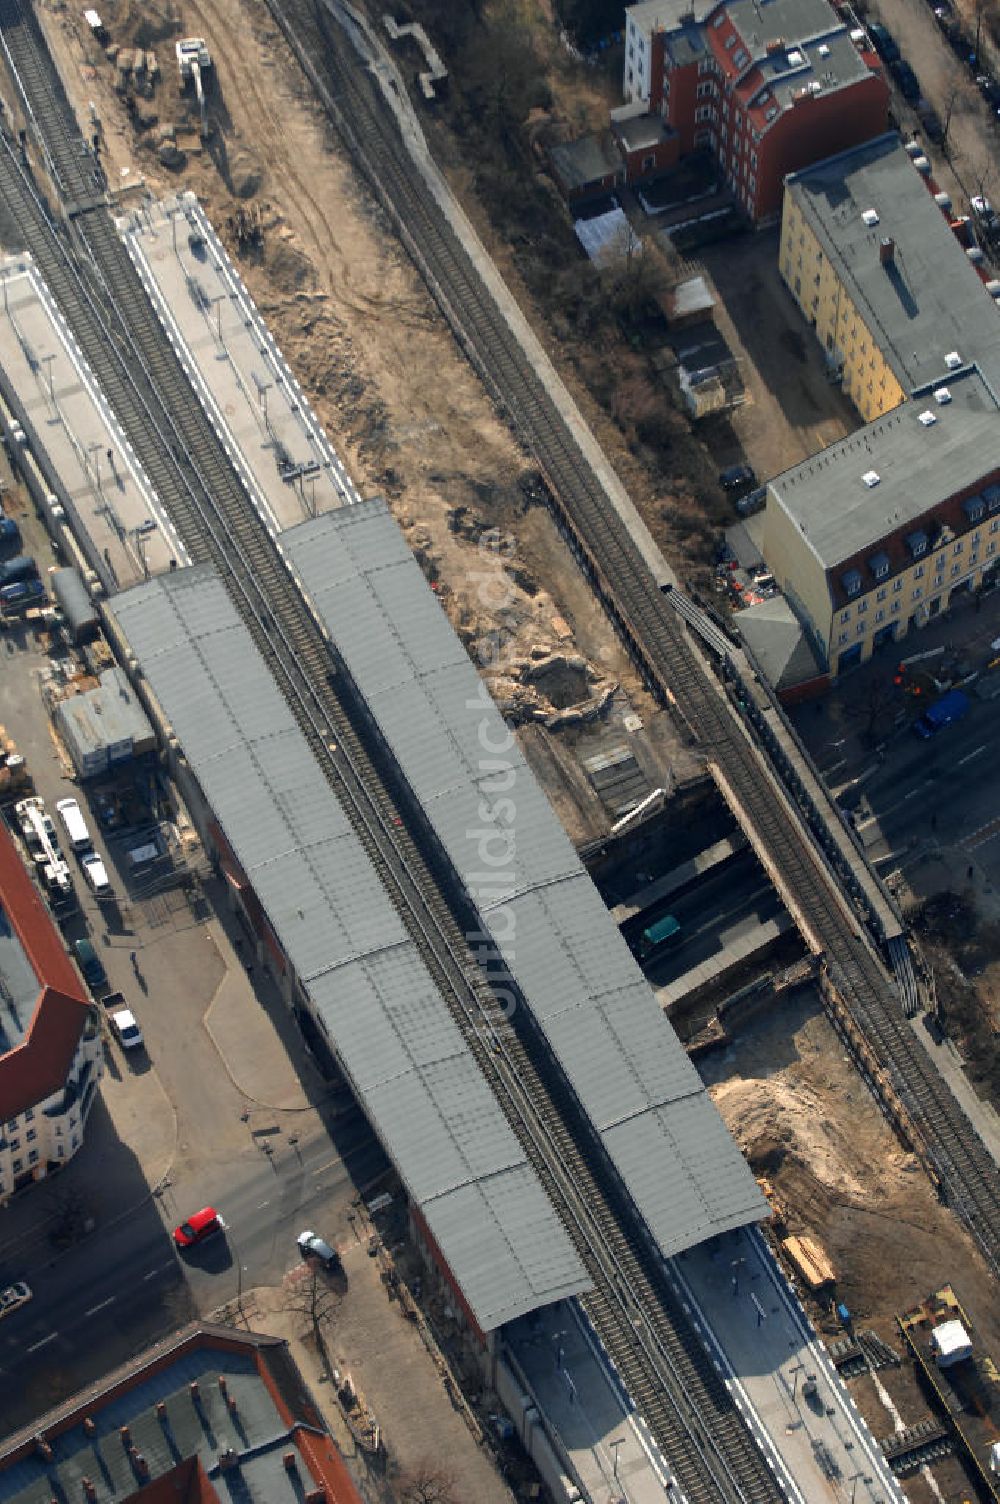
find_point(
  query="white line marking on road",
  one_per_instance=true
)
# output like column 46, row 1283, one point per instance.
column 101, row 1306
column 43, row 1343
column 969, row 756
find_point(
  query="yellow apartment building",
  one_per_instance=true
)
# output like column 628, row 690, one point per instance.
column 877, row 534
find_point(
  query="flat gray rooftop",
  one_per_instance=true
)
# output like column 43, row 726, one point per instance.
column 534, row 900
column 365, row 980
column 119, row 522
column 190, row 1428
column 242, row 379
column 18, row 988
column 650, row 14
column 918, row 465
column 929, row 301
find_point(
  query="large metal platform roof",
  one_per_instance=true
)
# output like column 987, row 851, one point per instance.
column 533, row 896
column 367, row 985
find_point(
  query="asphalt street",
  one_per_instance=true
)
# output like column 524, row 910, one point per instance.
column 126, row 1285
column 940, row 792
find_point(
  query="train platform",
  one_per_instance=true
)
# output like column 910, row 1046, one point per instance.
column 79, row 454
column 779, row 1372
column 242, row 380
column 597, row 1441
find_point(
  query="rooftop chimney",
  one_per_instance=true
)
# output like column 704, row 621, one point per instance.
column 141, row 1465
column 290, row 1461
column 89, row 1425
column 125, row 1434
column 315, row 1496
column 194, row 1390
column 89, row 1491
column 161, row 1410
column 887, row 251
column 222, row 1382
column 228, row 1458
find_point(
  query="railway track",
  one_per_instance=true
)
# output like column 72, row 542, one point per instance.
column 649, row 626
column 632, row 1306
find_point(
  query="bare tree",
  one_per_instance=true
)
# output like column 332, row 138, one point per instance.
column 427, row 1483
column 314, row 1301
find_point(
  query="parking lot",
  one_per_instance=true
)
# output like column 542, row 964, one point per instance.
column 792, row 409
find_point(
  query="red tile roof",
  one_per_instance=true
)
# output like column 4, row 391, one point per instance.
column 38, row 1066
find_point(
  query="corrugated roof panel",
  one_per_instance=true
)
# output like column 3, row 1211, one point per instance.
column 561, row 946
column 396, row 1039
column 509, row 1259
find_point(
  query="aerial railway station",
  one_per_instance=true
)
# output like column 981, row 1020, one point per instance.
column 554, row 1141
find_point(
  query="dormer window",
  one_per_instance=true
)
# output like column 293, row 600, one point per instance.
column 879, row 565
column 851, row 582
column 917, row 544
column 991, row 496
column 974, row 508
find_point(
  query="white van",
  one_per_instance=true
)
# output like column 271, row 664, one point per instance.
column 74, row 824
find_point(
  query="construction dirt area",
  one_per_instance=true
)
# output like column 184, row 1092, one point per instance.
column 401, row 405
column 413, row 423
column 795, row 1103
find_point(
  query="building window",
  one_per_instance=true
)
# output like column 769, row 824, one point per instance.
column 991, row 548
column 31, row 1135
column 897, row 584
column 704, row 112
column 956, row 569
column 705, row 66
column 33, row 1157
column 29, row 1116
column 880, row 595
column 973, row 559
column 862, row 607
column 918, row 573
column 846, row 615
column 705, row 91
column 860, row 628
column 17, row 1166
column 842, row 639
column 880, row 616
column 60, row 1151
column 895, row 605
column 741, row 58
column 918, row 593
column 731, row 41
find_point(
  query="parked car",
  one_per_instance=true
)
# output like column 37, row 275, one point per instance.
column 10, row 535
column 74, row 824
column 124, row 1026
column 23, row 567
column 884, row 42
column 754, row 501
column 930, row 122
column 21, row 595
column 204, row 1224
column 96, row 874
column 737, row 478
column 312, row 1246
column 14, row 1296
column 906, row 80
column 89, row 963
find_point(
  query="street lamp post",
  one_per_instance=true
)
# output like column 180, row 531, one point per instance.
column 619, row 1441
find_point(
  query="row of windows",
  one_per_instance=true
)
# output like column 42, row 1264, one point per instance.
column 918, row 571
column 917, row 595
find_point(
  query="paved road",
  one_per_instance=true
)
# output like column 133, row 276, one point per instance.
column 125, row 1286
column 940, row 792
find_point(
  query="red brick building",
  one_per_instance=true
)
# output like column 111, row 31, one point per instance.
column 769, row 86
column 51, row 1058
column 213, row 1415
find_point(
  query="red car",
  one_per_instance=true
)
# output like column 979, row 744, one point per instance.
column 199, row 1227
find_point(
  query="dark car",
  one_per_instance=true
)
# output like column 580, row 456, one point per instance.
column 10, row 535
column 20, row 596
column 990, row 90
column 906, row 80
column 312, row 1246
column 884, row 42
column 754, row 501
column 202, row 1225
column 930, row 122
column 89, row 963
column 737, row 478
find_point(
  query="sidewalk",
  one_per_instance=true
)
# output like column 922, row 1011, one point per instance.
column 835, row 729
